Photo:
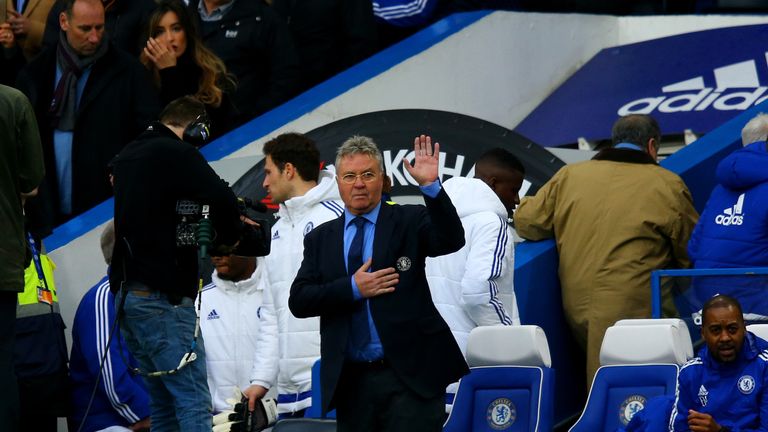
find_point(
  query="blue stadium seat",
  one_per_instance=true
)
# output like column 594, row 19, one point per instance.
column 510, row 386
column 641, row 359
column 315, row 410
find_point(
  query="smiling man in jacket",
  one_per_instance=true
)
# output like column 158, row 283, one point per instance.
column 387, row 353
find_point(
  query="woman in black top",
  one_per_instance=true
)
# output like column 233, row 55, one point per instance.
column 181, row 65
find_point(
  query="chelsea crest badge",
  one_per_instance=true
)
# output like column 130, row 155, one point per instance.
column 631, row 406
column 746, row 384
column 501, row 414
column 403, row 263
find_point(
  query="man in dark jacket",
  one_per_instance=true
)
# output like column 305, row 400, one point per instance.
column 21, row 170
column 257, row 48
column 158, row 280
column 330, row 35
column 90, row 100
column 724, row 388
column 125, row 22
column 387, row 354
column 732, row 230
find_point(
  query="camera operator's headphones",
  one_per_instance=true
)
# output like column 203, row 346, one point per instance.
column 198, row 132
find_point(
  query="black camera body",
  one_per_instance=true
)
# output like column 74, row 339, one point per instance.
column 253, row 241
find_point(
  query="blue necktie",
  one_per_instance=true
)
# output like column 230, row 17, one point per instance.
column 360, row 335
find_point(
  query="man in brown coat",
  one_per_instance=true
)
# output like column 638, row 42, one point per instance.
column 614, row 219
column 28, row 24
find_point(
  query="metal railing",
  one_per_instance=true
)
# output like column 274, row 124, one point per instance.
column 656, row 276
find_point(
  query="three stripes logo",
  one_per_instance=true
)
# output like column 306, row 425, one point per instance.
column 213, row 315
column 732, row 215
column 693, row 95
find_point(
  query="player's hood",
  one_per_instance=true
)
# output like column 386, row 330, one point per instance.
column 744, row 168
column 471, row 195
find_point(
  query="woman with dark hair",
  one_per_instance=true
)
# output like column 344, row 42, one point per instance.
column 181, row 65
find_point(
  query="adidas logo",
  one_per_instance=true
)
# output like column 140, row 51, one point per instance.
column 703, row 393
column 213, row 315
column 698, row 97
column 732, row 215
column 276, row 235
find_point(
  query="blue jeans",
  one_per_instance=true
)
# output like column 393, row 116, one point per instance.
column 158, row 335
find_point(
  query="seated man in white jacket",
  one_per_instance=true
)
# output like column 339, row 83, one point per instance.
column 473, row 287
column 229, row 321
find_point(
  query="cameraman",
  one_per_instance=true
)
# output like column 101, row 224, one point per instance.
column 158, row 280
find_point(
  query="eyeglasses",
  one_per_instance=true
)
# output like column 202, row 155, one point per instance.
column 366, row 177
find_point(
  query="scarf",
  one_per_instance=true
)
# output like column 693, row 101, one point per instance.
column 63, row 106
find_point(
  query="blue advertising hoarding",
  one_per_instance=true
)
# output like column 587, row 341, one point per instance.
column 693, row 81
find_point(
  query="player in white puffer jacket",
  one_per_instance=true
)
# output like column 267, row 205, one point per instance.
column 474, row 286
column 229, row 325
column 287, row 347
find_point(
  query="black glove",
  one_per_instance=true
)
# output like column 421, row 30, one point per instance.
column 241, row 420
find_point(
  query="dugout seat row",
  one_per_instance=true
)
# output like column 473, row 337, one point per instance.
column 510, row 386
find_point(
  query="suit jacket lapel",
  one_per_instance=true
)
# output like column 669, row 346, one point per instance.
column 335, row 246
column 383, row 233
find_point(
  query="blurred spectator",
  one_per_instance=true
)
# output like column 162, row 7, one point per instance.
column 724, row 388
column 181, row 65
column 21, row 170
column 614, row 218
column 732, row 231
column 467, row 286
column 27, row 19
column 229, row 322
column 125, row 21
column 40, row 354
column 329, row 35
column 11, row 57
column 398, row 19
column 83, row 126
column 287, row 346
column 256, row 46
column 99, row 357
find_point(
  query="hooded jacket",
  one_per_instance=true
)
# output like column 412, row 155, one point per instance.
column 734, row 394
column 473, row 287
column 287, row 347
column 733, row 229
column 229, row 321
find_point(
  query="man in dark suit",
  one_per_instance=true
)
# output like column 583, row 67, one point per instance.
column 387, row 355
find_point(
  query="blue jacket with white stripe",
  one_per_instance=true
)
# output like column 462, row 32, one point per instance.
column 734, row 394
column 121, row 399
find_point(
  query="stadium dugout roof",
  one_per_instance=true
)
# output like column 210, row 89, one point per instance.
column 694, row 81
